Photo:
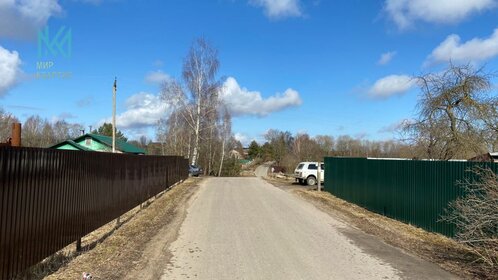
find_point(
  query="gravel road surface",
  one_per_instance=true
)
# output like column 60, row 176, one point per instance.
column 245, row 228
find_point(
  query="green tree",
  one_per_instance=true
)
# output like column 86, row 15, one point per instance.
column 106, row 129
column 267, row 152
column 231, row 168
column 254, row 150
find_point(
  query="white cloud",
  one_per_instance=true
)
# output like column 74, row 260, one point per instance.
column 242, row 138
column 390, row 86
column 21, row 19
column 10, row 70
column 241, row 101
column 279, row 8
column 157, row 77
column 136, row 133
column 405, row 12
column 385, row 58
column 477, row 49
column 142, row 110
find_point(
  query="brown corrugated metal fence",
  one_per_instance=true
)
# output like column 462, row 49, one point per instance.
column 50, row 198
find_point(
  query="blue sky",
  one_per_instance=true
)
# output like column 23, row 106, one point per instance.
column 321, row 67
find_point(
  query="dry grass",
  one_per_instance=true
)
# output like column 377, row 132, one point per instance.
column 436, row 248
column 111, row 251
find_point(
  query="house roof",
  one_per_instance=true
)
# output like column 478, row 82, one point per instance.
column 72, row 143
column 120, row 144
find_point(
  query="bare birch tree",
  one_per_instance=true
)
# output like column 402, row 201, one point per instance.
column 226, row 133
column 196, row 99
column 199, row 72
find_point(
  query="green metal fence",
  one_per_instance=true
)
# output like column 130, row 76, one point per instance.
column 412, row 191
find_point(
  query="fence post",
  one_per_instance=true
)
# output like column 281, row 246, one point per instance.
column 78, row 245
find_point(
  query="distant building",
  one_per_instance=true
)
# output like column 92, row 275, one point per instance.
column 98, row 143
column 245, row 150
column 487, row 157
column 235, row 154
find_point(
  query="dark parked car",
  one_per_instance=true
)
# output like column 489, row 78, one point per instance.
column 194, row 170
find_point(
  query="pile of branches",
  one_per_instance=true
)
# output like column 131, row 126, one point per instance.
column 475, row 215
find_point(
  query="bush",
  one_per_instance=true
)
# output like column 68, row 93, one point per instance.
column 475, row 216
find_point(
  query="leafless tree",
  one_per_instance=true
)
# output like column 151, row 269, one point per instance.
column 326, row 143
column 196, row 99
column 225, row 132
column 143, row 141
column 6, row 121
column 175, row 135
column 457, row 117
column 32, row 130
column 475, row 215
column 306, row 148
column 63, row 130
column 344, row 145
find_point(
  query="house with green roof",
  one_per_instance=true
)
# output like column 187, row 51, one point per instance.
column 98, row 143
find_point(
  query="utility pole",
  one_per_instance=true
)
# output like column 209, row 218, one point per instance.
column 114, row 88
column 319, row 175
column 114, row 116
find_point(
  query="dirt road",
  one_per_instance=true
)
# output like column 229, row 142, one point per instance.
column 262, row 170
column 244, row 228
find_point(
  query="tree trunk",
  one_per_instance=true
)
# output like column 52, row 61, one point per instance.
column 222, row 156
column 196, row 134
column 189, row 145
column 210, row 159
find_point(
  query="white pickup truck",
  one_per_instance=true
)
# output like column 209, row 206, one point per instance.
column 306, row 172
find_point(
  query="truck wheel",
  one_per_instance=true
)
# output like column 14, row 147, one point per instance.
column 311, row 181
